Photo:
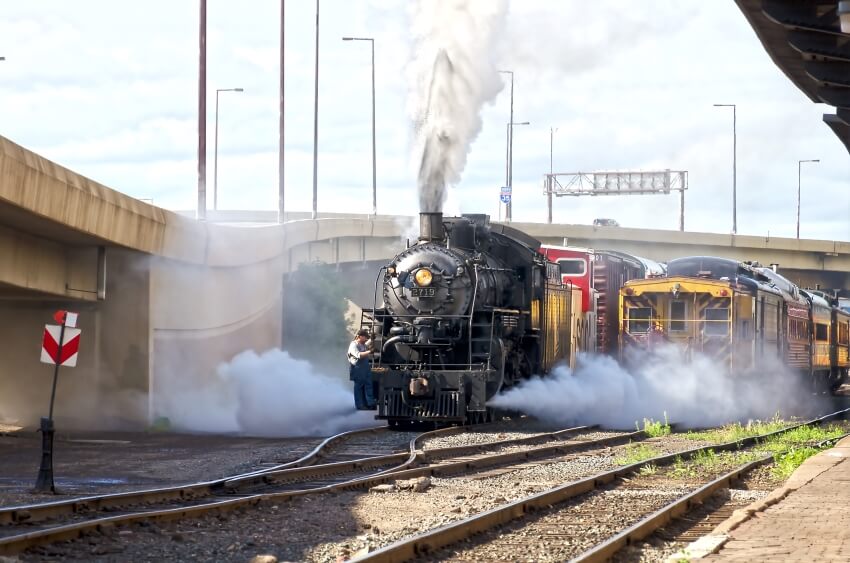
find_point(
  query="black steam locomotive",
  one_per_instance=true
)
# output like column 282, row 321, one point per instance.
column 468, row 310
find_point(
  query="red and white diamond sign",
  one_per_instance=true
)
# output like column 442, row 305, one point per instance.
column 70, row 345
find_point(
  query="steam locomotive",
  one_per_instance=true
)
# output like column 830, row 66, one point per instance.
column 468, row 310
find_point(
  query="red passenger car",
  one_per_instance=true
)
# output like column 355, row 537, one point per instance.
column 600, row 274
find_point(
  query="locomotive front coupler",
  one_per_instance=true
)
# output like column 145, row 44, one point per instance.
column 419, row 387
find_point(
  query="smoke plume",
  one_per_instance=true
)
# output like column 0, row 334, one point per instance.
column 453, row 75
column 268, row 394
column 692, row 393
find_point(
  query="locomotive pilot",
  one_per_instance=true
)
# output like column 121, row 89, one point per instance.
column 359, row 372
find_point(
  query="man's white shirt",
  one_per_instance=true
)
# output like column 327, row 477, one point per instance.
column 354, row 350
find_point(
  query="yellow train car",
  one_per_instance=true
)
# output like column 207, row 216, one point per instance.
column 706, row 305
column 841, row 344
column 821, row 316
column 830, row 339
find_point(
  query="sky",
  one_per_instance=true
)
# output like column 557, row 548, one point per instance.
column 109, row 90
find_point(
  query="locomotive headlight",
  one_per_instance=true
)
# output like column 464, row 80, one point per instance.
column 423, row 277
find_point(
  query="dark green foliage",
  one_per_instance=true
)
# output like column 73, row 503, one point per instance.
column 314, row 324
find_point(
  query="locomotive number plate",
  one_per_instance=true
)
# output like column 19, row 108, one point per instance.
column 423, row 292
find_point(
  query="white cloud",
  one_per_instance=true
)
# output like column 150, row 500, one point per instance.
column 110, row 90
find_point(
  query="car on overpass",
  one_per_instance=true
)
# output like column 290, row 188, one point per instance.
column 601, row 222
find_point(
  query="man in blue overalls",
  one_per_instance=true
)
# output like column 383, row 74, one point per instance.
column 359, row 372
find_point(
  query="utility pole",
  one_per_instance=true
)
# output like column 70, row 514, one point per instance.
column 734, row 164
column 799, row 166
column 202, row 116
column 316, row 122
column 548, row 190
column 508, row 205
column 280, row 188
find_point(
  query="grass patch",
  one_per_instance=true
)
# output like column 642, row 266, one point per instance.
column 792, row 448
column 709, row 462
column 787, row 462
column 648, row 469
column 682, row 469
column 804, row 436
column 655, row 429
column 737, row 431
column 635, row 453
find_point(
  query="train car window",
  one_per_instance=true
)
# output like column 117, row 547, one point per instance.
column 771, row 325
column 537, row 278
column 799, row 329
column 716, row 322
column 639, row 319
column 821, row 331
column 743, row 332
column 844, row 334
column 678, row 313
column 572, row 266
column 802, row 330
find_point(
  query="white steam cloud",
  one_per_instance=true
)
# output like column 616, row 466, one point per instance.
column 453, row 75
column 693, row 393
column 268, row 394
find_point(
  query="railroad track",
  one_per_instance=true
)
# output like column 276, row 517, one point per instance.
column 344, row 448
column 357, row 464
column 340, row 472
column 587, row 520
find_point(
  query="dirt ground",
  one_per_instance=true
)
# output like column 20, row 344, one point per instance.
column 87, row 463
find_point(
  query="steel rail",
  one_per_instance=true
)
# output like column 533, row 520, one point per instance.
column 427, row 456
column 471, row 465
column 417, row 455
column 42, row 511
column 16, row 543
column 604, row 551
column 286, row 472
column 663, row 516
column 427, row 542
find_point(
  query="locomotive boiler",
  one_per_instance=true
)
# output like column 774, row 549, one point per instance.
column 470, row 309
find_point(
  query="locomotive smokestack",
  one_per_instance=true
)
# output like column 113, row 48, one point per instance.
column 431, row 226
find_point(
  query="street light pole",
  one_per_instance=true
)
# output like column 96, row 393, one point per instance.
column 316, row 122
column 549, row 191
column 280, row 176
column 508, row 206
column 202, row 114
column 799, row 166
column 734, row 164
column 374, row 167
column 509, row 133
column 215, row 157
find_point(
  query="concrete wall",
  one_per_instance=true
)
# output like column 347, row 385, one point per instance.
column 107, row 387
column 203, row 314
column 35, row 264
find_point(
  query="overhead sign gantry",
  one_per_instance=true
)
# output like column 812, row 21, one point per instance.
column 617, row 183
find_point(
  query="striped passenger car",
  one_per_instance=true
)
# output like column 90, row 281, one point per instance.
column 831, row 338
column 710, row 305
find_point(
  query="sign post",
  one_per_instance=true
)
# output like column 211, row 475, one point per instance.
column 57, row 351
column 505, row 194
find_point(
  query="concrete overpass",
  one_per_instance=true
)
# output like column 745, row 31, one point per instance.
column 339, row 239
column 163, row 299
